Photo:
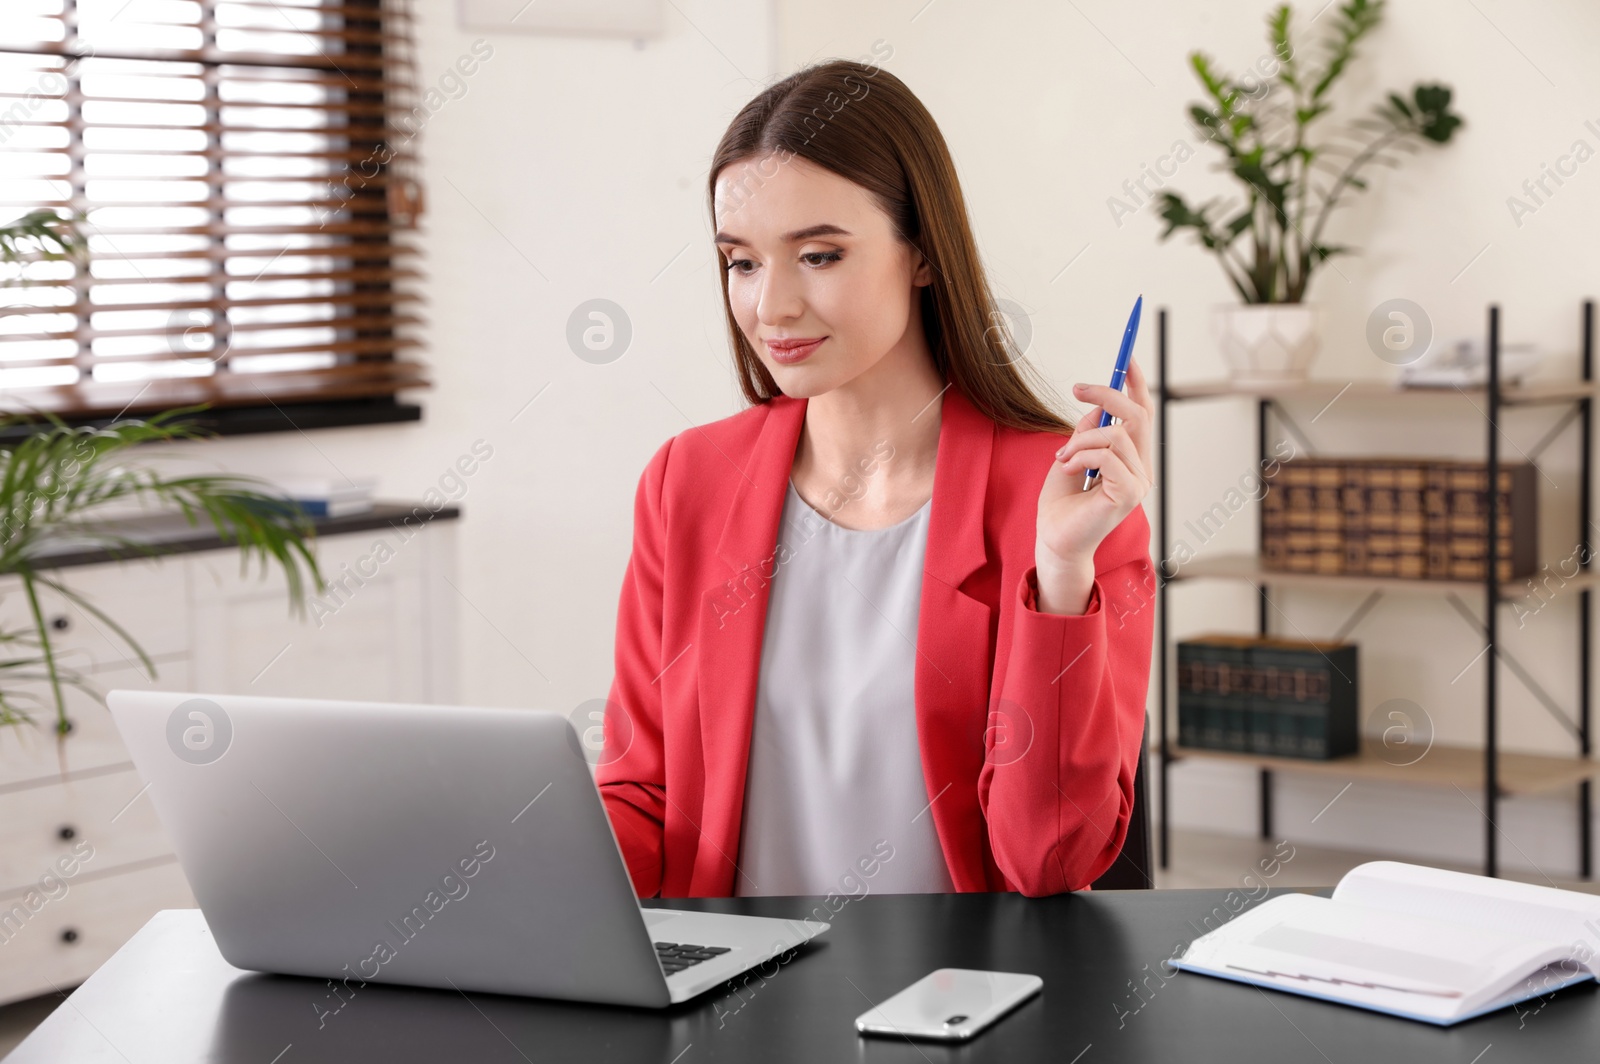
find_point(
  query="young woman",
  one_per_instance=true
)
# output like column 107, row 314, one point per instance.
column 874, row 635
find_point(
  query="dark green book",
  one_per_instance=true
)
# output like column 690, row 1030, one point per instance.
column 1213, row 676
column 1191, row 704
column 1313, row 688
column 1261, row 718
column 1285, row 697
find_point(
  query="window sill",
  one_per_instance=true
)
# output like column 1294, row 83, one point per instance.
column 248, row 420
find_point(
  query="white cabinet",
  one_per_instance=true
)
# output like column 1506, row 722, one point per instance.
column 68, row 937
column 384, row 631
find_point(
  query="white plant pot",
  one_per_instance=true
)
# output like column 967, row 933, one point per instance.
column 1268, row 343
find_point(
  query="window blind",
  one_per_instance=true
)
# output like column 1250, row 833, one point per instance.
column 244, row 170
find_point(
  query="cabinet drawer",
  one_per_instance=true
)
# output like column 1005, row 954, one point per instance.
column 31, row 752
column 147, row 597
column 105, row 820
column 60, row 942
column 364, row 638
column 348, row 562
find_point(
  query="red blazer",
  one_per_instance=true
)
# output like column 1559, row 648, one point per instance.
column 1030, row 724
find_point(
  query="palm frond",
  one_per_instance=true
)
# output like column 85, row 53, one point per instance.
column 65, row 482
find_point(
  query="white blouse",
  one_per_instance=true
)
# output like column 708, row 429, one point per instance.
column 834, row 782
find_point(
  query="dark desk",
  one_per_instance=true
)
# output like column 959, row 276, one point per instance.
column 169, row 997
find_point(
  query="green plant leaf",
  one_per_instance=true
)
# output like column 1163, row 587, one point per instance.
column 1178, row 214
column 43, row 234
column 1356, row 19
column 1278, row 33
column 1214, row 85
column 1437, row 122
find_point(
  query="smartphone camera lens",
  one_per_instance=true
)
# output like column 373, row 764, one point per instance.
column 953, row 1020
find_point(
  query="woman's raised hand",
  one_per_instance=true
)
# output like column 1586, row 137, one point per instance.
column 1073, row 522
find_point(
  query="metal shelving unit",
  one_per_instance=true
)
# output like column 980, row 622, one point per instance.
column 1497, row 774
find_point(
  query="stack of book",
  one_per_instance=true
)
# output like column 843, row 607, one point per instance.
column 1285, row 697
column 1399, row 517
column 332, row 496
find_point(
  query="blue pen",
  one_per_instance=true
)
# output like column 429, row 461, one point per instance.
column 1118, row 374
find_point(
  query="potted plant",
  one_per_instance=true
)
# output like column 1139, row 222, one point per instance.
column 63, row 482
column 1271, row 244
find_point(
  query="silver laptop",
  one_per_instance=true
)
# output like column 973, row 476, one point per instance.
column 440, row 846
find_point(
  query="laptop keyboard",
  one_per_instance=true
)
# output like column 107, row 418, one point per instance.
column 676, row 956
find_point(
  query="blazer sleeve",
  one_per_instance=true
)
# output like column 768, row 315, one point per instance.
column 1074, row 690
column 631, row 774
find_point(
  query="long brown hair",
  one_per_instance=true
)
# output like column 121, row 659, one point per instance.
column 862, row 123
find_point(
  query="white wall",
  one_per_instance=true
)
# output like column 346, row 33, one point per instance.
column 574, row 168
column 1050, row 108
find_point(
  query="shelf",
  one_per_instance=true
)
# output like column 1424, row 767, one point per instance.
column 1463, row 767
column 1519, row 774
column 1536, row 392
column 1248, row 567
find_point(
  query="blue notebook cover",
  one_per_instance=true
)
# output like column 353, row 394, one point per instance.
column 1265, row 984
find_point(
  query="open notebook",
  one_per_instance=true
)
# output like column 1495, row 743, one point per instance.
column 1411, row 941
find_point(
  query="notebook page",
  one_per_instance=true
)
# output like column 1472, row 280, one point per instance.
column 1567, row 918
column 1538, row 984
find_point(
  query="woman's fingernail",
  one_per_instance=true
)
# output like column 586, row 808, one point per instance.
column 1061, row 452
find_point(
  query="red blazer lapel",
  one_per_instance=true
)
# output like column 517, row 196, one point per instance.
column 953, row 637
column 730, row 643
